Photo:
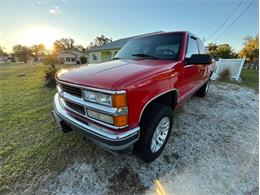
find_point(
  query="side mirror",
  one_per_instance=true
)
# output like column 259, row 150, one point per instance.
column 200, row 59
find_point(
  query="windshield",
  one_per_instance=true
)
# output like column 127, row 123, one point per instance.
column 163, row 46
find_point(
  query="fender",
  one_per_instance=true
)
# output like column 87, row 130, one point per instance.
column 160, row 94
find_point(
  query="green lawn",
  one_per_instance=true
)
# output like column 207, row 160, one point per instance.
column 250, row 78
column 30, row 143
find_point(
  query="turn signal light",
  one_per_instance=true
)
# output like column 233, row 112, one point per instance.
column 120, row 121
column 119, row 100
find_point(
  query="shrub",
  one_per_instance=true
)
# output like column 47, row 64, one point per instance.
column 224, row 75
column 83, row 59
column 50, row 73
column 51, row 59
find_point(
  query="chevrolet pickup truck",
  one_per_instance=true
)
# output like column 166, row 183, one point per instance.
column 127, row 103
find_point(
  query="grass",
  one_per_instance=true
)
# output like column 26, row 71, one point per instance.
column 250, row 78
column 31, row 144
column 10, row 64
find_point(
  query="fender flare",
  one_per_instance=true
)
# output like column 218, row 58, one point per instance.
column 155, row 97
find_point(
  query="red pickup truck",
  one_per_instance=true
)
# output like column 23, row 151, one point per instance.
column 128, row 102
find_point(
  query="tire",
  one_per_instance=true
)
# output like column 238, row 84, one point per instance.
column 155, row 115
column 202, row 92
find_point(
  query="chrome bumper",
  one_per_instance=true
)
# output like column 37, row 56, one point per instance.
column 107, row 139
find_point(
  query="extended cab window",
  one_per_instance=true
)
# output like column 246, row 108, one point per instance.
column 163, row 46
column 201, row 47
column 192, row 47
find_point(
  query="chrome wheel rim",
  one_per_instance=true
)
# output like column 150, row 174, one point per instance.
column 160, row 134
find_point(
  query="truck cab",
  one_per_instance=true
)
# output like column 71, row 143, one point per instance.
column 128, row 103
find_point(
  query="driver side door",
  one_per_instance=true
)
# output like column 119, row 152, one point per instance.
column 190, row 72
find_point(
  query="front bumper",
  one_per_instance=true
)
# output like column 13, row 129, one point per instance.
column 120, row 142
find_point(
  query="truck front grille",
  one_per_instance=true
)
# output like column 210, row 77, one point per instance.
column 75, row 107
column 71, row 90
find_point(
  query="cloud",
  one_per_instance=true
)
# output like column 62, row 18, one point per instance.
column 56, row 10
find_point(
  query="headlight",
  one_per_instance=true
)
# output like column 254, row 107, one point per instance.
column 115, row 100
column 99, row 98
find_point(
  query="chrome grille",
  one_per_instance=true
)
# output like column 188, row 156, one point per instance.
column 71, row 97
column 75, row 107
column 71, row 90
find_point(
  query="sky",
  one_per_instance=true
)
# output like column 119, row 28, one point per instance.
column 30, row 22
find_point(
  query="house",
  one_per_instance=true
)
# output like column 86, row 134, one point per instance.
column 71, row 56
column 108, row 51
column 3, row 59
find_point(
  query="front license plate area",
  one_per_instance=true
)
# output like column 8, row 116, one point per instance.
column 62, row 124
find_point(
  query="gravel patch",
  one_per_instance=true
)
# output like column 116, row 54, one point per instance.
column 213, row 149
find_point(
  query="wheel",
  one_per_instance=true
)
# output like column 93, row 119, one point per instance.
column 202, row 92
column 156, row 127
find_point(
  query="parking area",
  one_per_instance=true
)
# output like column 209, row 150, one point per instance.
column 213, row 149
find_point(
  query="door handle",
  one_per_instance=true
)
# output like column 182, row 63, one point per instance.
column 202, row 69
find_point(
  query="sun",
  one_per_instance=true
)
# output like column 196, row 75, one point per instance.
column 40, row 34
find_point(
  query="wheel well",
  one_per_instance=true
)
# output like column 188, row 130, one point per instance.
column 169, row 98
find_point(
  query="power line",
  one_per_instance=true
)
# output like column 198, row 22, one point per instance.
column 251, row 3
column 225, row 21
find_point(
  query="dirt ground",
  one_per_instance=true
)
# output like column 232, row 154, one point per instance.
column 213, row 149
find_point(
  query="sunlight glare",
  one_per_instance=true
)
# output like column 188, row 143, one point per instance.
column 40, row 34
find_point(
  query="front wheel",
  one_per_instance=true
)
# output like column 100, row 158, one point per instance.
column 156, row 127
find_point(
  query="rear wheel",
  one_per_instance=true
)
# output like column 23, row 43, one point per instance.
column 202, row 92
column 156, row 127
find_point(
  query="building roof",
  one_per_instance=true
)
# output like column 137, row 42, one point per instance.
column 118, row 44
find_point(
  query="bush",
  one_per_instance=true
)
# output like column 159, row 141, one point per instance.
column 51, row 59
column 224, row 75
column 50, row 73
column 83, row 59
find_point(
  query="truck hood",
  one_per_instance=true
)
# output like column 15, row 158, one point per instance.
column 114, row 75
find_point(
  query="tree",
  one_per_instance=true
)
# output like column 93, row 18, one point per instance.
column 79, row 47
column 22, row 52
column 3, row 54
column 251, row 49
column 51, row 59
column 225, row 51
column 221, row 51
column 62, row 44
column 83, row 59
column 38, row 51
column 101, row 40
column 212, row 47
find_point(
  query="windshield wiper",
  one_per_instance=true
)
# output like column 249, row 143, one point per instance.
column 144, row 56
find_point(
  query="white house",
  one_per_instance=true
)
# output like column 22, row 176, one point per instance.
column 108, row 51
column 71, row 56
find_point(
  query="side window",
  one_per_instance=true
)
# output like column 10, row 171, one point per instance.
column 192, row 47
column 201, row 47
